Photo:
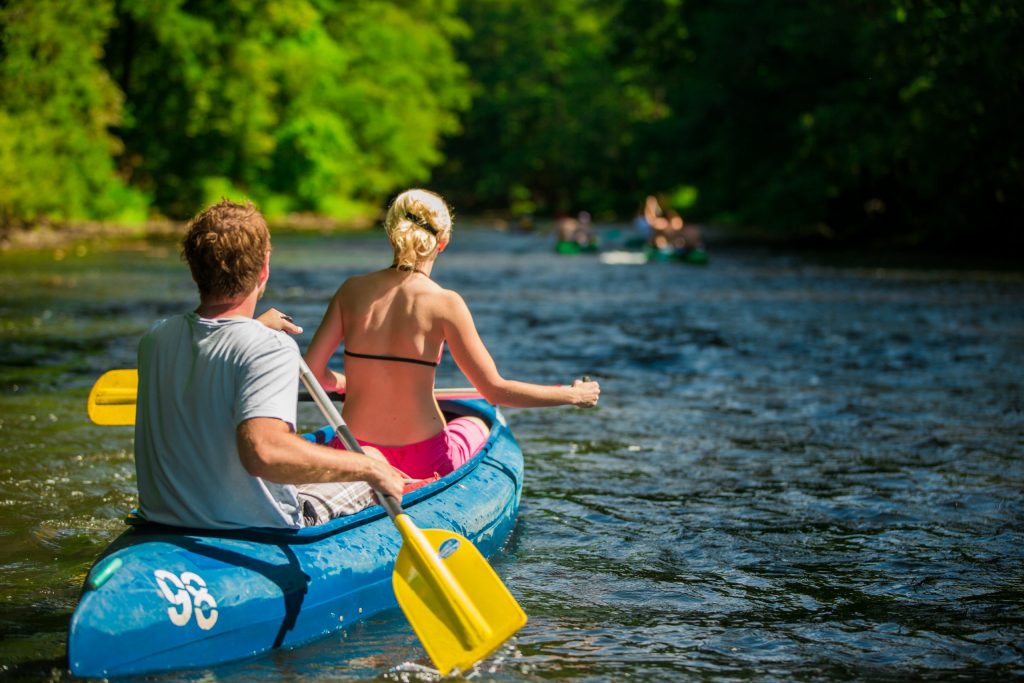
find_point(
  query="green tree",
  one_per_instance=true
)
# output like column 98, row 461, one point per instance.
column 305, row 106
column 550, row 124
column 56, row 106
column 892, row 120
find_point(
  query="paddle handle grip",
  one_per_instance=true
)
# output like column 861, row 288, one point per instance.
column 323, row 402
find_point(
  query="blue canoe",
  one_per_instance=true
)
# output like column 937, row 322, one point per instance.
column 161, row 598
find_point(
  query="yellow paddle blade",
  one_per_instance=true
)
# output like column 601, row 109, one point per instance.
column 457, row 605
column 112, row 399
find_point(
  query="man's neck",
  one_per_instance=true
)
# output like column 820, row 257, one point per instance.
column 229, row 308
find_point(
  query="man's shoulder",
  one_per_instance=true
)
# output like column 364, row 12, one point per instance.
column 162, row 325
column 254, row 328
column 255, row 335
column 230, row 335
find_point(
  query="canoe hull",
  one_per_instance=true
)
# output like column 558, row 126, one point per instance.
column 161, row 598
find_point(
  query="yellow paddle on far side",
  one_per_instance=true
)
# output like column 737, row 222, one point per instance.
column 112, row 398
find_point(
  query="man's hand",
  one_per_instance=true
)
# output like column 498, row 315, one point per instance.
column 386, row 479
column 269, row 449
column 279, row 322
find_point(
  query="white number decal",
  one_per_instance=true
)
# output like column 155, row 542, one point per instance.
column 187, row 594
column 176, row 596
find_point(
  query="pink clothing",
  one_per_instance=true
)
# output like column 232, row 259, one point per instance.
column 445, row 452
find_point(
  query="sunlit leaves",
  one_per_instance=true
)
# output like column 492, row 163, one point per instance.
column 303, row 105
column 56, row 104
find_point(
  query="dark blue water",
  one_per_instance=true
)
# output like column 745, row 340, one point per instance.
column 803, row 467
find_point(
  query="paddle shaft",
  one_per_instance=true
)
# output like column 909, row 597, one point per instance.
column 326, row 406
column 117, row 397
column 452, row 393
column 473, row 625
column 120, row 388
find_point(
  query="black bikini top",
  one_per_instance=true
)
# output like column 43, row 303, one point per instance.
column 398, row 359
column 401, row 359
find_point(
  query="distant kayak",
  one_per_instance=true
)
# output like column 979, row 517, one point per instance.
column 570, row 247
column 697, row 257
column 632, row 251
column 161, row 598
column 623, row 258
column 626, row 257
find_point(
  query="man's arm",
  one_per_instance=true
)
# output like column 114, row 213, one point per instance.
column 270, row 450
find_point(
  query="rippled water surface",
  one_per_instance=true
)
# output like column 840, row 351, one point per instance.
column 803, row 467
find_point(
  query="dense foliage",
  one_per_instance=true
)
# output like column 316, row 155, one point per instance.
column 57, row 104
column 303, row 105
column 896, row 119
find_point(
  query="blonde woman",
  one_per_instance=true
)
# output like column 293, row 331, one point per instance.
column 394, row 324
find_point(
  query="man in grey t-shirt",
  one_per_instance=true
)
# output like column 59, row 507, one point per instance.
column 215, row 442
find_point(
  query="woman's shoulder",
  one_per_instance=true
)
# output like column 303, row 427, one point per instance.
column 436, row 291
column 355, row 283
column 447, row 303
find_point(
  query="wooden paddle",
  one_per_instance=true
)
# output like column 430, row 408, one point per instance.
column 112, row 398
column 457, row 605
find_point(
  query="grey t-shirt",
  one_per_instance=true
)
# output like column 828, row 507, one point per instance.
column 198, row 380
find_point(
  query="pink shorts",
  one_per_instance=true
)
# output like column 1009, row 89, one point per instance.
column 447, row 451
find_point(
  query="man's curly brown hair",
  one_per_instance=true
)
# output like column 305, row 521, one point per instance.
column 225, row 247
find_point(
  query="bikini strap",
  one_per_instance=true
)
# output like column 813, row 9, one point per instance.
column 398, row 359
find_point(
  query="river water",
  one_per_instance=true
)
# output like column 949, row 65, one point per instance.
column 803, row 466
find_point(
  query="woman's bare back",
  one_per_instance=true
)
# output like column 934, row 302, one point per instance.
column 391, row 314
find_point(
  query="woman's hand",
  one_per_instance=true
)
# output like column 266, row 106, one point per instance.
column 279, row 322
column 585, row 393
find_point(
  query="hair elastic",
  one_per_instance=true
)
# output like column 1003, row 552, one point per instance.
column 422, row 222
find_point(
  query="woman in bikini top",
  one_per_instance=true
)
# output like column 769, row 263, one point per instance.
column 394, row 324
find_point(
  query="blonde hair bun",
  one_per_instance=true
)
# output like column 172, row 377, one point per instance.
column 416, row 223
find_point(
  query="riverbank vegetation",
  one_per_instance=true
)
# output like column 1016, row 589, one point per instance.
column 894, row 121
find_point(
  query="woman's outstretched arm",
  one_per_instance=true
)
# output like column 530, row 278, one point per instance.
column 473, row 358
